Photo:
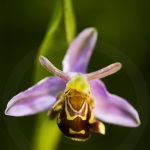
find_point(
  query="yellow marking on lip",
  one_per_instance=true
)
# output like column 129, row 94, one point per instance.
column 69, row 117
column 76, row 132
column 91, row 120
column 102, row 128
column 76, row 111
column 58, row 118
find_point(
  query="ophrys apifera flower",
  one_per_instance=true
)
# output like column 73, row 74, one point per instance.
column 79, row 100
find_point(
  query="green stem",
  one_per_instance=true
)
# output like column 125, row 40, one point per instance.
column 47, row 134
column 70, row 23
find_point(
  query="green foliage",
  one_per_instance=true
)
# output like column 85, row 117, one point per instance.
column 48, row 44
column 47, row 134
column 70, row 24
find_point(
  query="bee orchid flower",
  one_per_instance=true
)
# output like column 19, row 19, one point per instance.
column 78, row 99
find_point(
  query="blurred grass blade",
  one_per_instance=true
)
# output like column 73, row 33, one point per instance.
column 52, row 28
column 47, row 44
column 47, row 134
column 70, row 24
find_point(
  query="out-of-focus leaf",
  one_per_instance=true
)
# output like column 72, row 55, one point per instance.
column 52, row 28
column 50, row 42
column 70, row 24
column 47, row 134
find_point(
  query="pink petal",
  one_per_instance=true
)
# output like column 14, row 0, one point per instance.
column 79, row 52
column 37, row 98
column 111, row 108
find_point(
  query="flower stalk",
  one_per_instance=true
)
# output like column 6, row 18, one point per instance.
column 46, row 129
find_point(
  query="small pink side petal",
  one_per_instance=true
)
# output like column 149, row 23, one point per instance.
column 111, row 108
column 35, row 99
column 79, row 52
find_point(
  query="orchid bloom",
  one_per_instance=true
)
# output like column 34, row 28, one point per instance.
column 80, row 100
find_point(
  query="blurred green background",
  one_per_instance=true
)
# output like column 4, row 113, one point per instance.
column 123, row 28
